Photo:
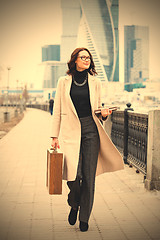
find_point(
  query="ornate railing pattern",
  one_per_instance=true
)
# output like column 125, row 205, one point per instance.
column 137, row 137
column 117, row 133
column 137, row 140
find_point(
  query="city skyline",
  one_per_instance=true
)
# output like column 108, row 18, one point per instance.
column 22, row 40
column 96, row 29
column 93, row 24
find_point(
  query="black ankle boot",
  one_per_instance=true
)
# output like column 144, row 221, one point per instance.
column 72, row 218
column 83, row 226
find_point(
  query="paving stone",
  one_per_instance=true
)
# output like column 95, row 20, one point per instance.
column 113, row 234
column 136, row 234
column 19, row 229
column 42, row 229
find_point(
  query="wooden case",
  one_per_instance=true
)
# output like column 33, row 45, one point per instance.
column 54, row 171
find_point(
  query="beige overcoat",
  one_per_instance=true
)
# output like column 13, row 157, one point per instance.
column 66, row 126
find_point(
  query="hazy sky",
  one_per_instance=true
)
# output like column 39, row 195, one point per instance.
column 25, row 26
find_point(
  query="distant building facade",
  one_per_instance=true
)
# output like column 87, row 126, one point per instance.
column 53, row 67
column 71, row 15
column 136, row 55
column 53, row 70
column 51, row 53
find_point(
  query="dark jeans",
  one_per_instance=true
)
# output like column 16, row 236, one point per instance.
column 82, row 189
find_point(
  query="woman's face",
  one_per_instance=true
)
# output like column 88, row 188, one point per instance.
column 83, row 61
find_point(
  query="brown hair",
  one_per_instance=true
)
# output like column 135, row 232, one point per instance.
column 72, row 64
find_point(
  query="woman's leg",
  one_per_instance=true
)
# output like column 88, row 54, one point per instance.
column 90, row 149
column 82, row 189
column 75, row 186
column 74, row 194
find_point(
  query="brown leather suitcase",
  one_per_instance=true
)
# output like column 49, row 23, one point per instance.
column 54, row 171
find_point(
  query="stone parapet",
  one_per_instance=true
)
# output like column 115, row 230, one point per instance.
column 153, row 151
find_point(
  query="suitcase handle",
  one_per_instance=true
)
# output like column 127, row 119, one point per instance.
column 53, row 149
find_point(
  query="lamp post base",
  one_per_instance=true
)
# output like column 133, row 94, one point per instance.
column 6, row 116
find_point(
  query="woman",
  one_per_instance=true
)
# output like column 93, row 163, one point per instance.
column 87, row 149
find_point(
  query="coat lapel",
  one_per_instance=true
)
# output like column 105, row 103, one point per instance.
column 69, row 100
column 91, row 92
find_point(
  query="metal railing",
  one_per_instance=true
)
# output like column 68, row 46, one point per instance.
column 44, row 107
column 117, row 132
column 129, row 133
column 137, row 140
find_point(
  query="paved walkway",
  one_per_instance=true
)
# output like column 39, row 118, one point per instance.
column 123, row 209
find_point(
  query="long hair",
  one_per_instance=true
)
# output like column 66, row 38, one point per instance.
column 72, row 64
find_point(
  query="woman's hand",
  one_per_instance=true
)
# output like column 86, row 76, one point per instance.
column 55, row 143
column 105, row 112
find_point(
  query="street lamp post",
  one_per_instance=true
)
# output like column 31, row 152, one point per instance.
column 21, row 105
column 7, row 114
column 16, row 110
column 8, row 88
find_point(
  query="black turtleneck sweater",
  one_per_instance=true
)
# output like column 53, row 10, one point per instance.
column 80, row 94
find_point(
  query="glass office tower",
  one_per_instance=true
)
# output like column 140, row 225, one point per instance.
column 136, row 54
column 53, row 67
column 100, row 28
column 51, row 53
column 92, row 24
column 53, row 71
column 71, row 14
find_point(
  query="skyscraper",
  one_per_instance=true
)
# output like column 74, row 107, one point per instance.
column 52, row 72
column 71, row 14
column 53, row 67
column 51, row 53
column 93, row 24
column 136, row 54
column 100, row 35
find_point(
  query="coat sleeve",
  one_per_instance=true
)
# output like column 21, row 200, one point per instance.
column 56, row 118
